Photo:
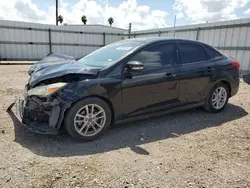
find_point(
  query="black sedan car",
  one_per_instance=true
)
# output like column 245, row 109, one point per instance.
column 126, row 80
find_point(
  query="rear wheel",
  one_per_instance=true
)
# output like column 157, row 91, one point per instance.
column 88, row 119
column 218, row 98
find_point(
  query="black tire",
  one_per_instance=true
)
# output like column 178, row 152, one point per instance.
column 208, row 103
column 69, row 118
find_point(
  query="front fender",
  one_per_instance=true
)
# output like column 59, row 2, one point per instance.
column 107, row 89
column 74, row 92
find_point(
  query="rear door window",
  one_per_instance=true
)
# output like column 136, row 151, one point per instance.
column 214, row 54
column 191, row 53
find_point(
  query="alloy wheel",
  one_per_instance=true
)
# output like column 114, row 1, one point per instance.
column 89, row 120
column 219, row 98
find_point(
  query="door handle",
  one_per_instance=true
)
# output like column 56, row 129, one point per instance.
column 169, row 75
column 210, row 69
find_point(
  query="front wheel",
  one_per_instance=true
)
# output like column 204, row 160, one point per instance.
column 217, row 99
column 88, row 119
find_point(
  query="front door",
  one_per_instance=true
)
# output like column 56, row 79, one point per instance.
column 154, row 87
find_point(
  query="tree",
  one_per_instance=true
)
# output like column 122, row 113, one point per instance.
column 84, row 19
column 60, row 19
column 111, row 21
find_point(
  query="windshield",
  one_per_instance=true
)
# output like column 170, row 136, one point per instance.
column 110, row 54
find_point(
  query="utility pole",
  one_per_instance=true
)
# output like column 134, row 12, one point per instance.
column 129, row 30
column 56, row 12
column 174, row 24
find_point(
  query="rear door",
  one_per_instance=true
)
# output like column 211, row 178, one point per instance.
column 155, row 87
column 197, row 69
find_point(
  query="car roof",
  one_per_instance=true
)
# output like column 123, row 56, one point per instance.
column 163, row 39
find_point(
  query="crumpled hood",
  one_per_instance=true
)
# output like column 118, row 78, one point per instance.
column 46, row 70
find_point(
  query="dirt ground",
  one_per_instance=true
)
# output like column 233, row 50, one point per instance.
column 185, row 149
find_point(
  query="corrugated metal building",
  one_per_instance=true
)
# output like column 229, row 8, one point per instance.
column 31, row 41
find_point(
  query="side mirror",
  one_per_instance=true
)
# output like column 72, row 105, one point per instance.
column 135, row 66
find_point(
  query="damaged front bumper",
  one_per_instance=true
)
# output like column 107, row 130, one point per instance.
column 40, row 115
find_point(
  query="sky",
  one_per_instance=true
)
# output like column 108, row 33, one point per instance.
column 143, row 14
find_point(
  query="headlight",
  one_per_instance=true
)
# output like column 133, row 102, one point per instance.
column 46, row 90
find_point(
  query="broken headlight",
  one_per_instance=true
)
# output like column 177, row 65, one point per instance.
column 46, row 90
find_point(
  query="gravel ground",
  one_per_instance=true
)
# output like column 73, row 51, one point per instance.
column 185, row 149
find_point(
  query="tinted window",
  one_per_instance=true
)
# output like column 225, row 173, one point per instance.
column 190, row 53
column 214, row 54
column 157, row 56
column 116, row 71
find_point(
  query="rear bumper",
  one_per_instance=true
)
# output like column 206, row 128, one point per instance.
column 40, row 117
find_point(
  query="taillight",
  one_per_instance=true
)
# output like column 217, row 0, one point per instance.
column 236, row 64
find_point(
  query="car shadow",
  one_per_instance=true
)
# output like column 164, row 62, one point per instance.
column 130, row 135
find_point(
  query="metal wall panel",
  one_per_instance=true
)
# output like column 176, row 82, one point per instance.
column 245, row 64
column 243, row 36
column 27, row 52
column 239, row 56
column 111, row 38
column 26, row 41
column 165, row 34
column 75, row 51
column 247, row 39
